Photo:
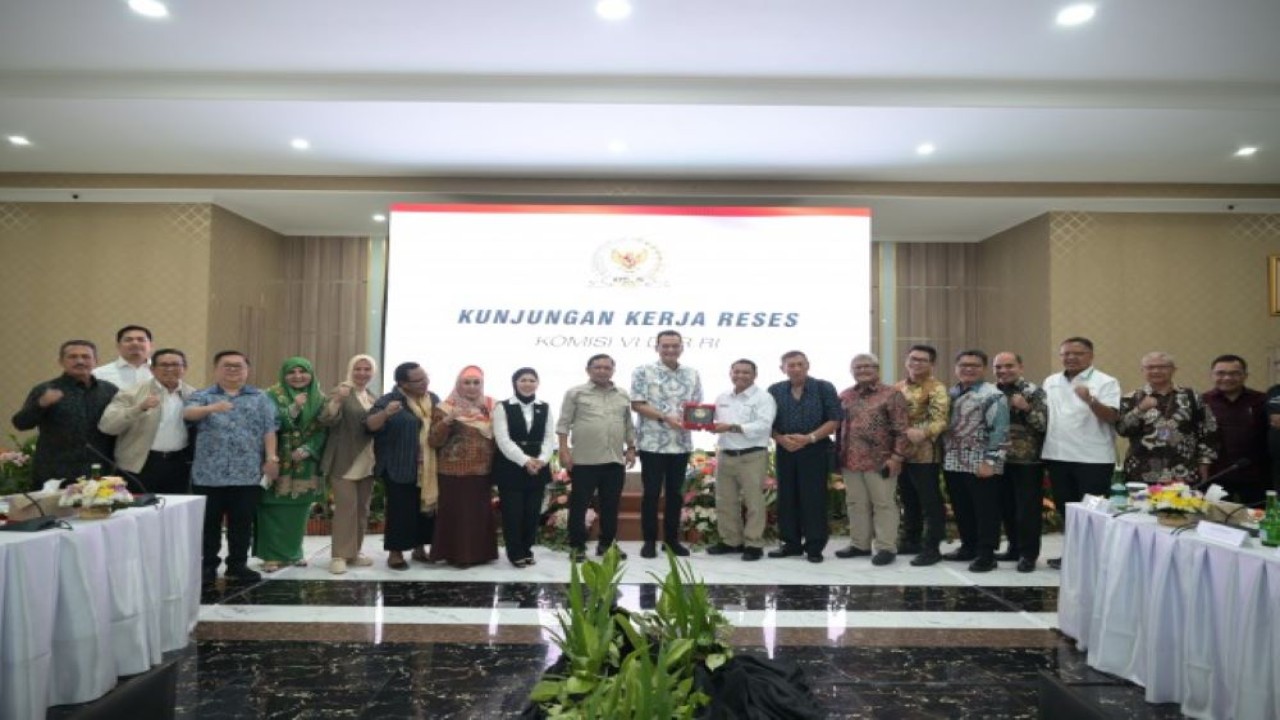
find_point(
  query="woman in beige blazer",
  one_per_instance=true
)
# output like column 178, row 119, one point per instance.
column 348, row 462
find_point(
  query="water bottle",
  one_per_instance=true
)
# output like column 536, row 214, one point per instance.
column 1119, row 497
column 1269, row 528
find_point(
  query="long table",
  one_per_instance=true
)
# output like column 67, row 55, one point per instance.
column 81, row 607
column 1194, row 621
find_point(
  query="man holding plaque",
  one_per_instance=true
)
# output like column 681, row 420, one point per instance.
column 743, row 420
column 808, row 412
column 659, row 392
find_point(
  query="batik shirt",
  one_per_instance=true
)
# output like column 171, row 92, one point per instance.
column 1026, row 427
column 666, row 391
column 230, row 446
column 1169, row 441
column 927, row 406
column 874, row 426
column 978, row 429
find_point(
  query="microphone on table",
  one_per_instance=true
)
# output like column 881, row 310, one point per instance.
column 40, row 522
column 1237, row 465
column 143, row 499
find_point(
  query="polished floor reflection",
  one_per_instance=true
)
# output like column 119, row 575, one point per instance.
column 433, row 642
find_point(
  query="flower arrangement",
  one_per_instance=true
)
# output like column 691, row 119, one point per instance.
column 102, row 495
column 698, row 518
column 1175, row 502
column 15, row 465
column 555, row 514
column 1176, row 497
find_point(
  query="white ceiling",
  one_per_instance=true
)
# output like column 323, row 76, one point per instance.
column 1152, row 91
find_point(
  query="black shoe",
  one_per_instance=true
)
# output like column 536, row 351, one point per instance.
column 752, row 553
column 243, row 573
column 648, row 551
column 1026, row 565
column 1055, row 563
column 909, row 548
column 603, row 548
column 985, row 564
column 815, row 557
column 208, row 576
column 786, row 551
column 722, row 549
column 884, row 557
column 1008, row 556
column 678, row 549
column 963, row 554
column 577, row 554
column 852, row 552
column 928, row 556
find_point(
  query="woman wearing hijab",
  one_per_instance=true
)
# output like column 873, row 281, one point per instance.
column 462, row 433
column 405, row 463
column 348, row 462
column 285, row 506
column 525, row 435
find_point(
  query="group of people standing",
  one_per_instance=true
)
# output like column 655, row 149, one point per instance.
column 264, row 458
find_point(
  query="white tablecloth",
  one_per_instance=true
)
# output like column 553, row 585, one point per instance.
column 1193, row 621
column 81, row 607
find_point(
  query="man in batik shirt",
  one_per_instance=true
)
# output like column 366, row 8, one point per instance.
column 1172, row 435
column 1022, row 486
column 872, row 445
column 973, row 460
column 922, row 509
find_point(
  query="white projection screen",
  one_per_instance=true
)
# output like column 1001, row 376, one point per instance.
column 544, row 286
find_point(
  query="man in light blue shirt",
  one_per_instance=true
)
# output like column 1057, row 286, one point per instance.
column 235, row 447
column 658, row 394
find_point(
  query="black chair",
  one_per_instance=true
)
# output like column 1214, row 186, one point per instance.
column 1059, row 702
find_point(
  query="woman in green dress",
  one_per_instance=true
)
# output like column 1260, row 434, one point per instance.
column 286, row 504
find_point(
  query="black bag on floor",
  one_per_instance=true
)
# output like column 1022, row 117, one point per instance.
column 754, row 688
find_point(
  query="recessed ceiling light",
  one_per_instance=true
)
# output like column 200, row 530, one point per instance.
column 19, row 140
column 1078, row 14
column 613, row 9
column 925, row 149
column 149, row 8
column 300, row 144
column 617, row 146
column 379, row 218
column 1244, row 151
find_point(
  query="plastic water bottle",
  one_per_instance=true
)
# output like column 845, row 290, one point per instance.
column 1119, row 497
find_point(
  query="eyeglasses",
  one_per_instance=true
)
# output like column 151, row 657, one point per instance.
column 865, row 367
column 470, row 382
column 175, row 365
column 970, row 366
column 913, row 359
column 1157, row 367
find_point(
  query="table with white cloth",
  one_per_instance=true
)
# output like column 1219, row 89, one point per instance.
column 81, row 607
column 1191, row 620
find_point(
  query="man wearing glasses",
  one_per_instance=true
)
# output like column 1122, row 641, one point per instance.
column 1241, row 413
column 1080, row 443
column 152, row 441
column 922, row 510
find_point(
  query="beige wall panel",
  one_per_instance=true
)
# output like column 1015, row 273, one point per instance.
column 83, row 270
column 246, row 292
column 1013, row 295
column 1192, row 285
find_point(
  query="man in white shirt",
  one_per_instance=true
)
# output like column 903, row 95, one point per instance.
column 1080, row 444
column 132, row 367
column 152, row 440
column 744, row 422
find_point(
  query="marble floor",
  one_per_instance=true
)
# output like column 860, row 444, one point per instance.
column 438, row 642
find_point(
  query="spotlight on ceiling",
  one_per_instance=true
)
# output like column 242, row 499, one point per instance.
column 613, row 9
column 300, row 144
column 1077, row 14
column 1247, row 151
column 19, row 140
column 379, row 218
column 925, row 149
column 149, row 8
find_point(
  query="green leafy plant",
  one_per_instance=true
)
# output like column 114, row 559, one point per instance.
column 617, row 664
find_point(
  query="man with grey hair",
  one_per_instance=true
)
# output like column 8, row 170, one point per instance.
column 871, row 446
column 1172, row 435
